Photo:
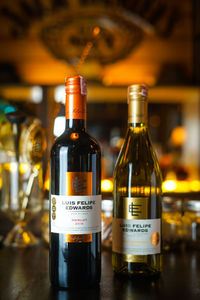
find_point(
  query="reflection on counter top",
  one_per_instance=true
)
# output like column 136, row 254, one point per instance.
column 24, row 275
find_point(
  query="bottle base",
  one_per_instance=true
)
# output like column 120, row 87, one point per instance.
column 75, row 287
column 137, row 275
column 137, row 271
column 133, row 266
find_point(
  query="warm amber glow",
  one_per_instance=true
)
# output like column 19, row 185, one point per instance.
column 181, row 186
column 125, row 74
column 12, row 167
column 195, row 186
column 0, row 176
column 106, row 185
column 138, row 129
column 171, row 175
column 169, row 186
column 174, row 186
column 178, row 136
column 26, row 238
column 37, row 166
column 74, row 136
column 46, row 184
column 23, row 168
column 96, row 31
column 140, row 190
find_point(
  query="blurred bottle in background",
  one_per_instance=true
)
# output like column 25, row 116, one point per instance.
column 172, row 224
column 192, row 219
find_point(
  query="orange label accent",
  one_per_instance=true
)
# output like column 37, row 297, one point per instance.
column 78, row 183
column 74, row 136
column 75, row 106
column 155, row 238
column 78, row 238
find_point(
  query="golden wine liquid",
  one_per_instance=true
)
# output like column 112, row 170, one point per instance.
column 137, row 207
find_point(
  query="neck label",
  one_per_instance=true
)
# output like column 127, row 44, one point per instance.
column 75, row 106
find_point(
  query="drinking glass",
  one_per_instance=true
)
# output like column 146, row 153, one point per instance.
column 20, row 200
column 22, row 147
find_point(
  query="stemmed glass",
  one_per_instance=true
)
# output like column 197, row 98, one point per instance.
column 21, row 179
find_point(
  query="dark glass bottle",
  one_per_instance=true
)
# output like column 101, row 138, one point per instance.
column 137, row 197
column 75, row 201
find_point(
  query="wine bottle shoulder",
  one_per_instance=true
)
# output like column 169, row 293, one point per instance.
column 79, row 141
column 137, row 157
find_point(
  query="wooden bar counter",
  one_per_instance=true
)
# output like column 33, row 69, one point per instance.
column 24, row 275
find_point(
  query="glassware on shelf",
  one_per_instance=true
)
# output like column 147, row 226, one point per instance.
column 20, row 201
column 172, row 224
column 106, row 221
column 192, row 218
column 21, row 176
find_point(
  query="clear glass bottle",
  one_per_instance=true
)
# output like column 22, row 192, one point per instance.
column 136, row 228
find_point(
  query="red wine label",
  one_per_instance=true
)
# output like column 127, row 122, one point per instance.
column 79, row 183
column 76, row 215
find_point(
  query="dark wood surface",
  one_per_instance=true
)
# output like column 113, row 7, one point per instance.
column 24, row 275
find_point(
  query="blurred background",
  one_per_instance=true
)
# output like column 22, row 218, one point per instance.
column 112, row 43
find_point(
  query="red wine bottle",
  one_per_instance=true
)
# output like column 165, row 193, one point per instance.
column 75, row 197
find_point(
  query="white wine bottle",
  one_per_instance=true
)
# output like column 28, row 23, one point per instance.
column 136, row 228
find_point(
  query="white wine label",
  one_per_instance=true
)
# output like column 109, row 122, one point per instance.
column 136, row 237
column 75, row 214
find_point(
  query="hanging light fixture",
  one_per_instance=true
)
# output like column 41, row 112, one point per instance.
column 66, row 26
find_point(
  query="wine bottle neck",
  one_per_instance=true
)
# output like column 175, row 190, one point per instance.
column 137, row 104
column 77, row 124
column 137, row 112
column 138, row 128
column 138, row 125
column 75, row 111
column 75, row 108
